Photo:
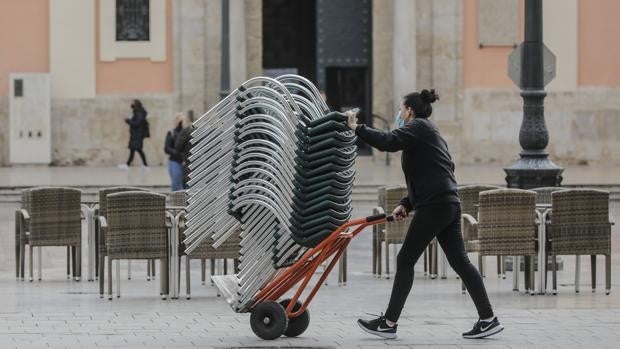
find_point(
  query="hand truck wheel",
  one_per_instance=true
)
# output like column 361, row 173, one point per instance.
column 296, row 325
column 269, row 320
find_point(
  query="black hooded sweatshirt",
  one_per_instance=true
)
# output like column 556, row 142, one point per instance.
column 426, row 162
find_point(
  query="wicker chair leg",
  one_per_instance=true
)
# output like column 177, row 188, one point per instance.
column 516, row 265
column 31, row 260
column 577, row 272
column 148, row 270
column 607, row 274
column 129, row 270
column 109, row 278
column 188, row 288
column 203, row 270
column 39, row 263
column 593, row 267
column 118, row 278
column 554, row 274
column 68, row 262
column 387, row 260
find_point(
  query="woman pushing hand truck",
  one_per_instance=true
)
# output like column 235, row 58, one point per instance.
column 432, row 191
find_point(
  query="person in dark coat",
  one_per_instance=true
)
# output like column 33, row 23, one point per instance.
column 138, row 130
column 176, row 156
column 183, row 145
column 432, row 193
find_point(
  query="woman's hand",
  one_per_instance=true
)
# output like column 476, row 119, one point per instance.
column 352, row 119
column 399, row 213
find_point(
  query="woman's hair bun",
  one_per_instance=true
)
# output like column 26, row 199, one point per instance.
column 429, row 96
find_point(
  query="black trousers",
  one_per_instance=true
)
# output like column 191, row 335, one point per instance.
column 444, row 222
column 131, row 154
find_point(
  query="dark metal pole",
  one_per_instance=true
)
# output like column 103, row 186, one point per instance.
column 533, row 169
column 225, row 64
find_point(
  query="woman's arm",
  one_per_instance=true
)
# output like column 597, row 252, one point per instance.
column 395, row 140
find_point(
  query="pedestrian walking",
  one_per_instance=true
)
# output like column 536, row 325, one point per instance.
column 432, row 192
column 138, row 130
column 175, row 156
column 183, row 145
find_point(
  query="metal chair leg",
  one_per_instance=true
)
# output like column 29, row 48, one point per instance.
column 73, row 262
column 164, row 277
column 203, row 270
column 387, row 260
column 434, row 260
column 374, row 253
column 236, row 265
column 526, row 273
column 39, row 263
column 379, row 257
column 101, row 274
column 532, row 277
column 129, row 270
column 212, row 269
column 225, row 261
column 554, row 274
column 515, row 273
column 153, row 269
column 425, row 262
column 118, row 278
column 109, row 278
column 607, row 274
column 444, row 264
column 148, row 270
column 577, row 272
column 79, row 263
column 17, row 242
column 503, row 266
column 68, row 262
column 593, row 267
column 31, row 260
column 188, row 289
column 481, row 264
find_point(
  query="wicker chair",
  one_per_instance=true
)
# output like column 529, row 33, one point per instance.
column 100, row 236
column 469, row 205
column 135, row 228
column 507, row 226
column 580, row 225
column 543, row 194
column 392, row 233
column 50, row 216
column 228, row 250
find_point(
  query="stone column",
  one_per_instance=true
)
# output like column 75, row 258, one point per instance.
column 382, row 40
column 212, row 58
column 189, row 54
column 254, row 38
column 404, row 51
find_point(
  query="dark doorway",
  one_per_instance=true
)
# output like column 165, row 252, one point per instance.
column 348, row 88
column 289, row 37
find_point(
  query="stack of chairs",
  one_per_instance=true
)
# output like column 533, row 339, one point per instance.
column 272, row 161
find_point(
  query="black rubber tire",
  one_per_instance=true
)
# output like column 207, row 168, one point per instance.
column 297, row 325
column 268, row 320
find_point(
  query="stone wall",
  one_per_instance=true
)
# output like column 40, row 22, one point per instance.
column 93, row 131
column 584, row 126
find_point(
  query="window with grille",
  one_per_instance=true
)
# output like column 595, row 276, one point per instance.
column 132, row 20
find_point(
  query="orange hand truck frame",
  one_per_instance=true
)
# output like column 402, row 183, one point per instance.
column 270, row 319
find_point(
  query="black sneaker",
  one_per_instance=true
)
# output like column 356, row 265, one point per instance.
column 484, row 329
column 378, row 327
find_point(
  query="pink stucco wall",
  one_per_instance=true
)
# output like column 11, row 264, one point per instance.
column 136, row 75
column 24, row 39
column 599, row 51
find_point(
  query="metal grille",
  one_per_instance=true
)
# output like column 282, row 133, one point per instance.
column 132, row 20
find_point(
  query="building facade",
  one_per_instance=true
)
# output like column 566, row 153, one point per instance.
column 98, row 55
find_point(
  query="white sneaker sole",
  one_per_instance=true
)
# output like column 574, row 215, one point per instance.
column 494, row 330
column 378, row 333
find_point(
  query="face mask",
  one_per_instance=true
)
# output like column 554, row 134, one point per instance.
column 399, row 121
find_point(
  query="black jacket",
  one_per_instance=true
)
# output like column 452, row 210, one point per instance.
column 182, row 145
column 137, row 124
column 169, row 145
column 426, row 162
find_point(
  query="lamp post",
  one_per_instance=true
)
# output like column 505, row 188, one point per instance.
column 533, row 168
column 225, row 64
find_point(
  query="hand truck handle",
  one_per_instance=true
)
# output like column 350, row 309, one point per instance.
column 378, row 217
